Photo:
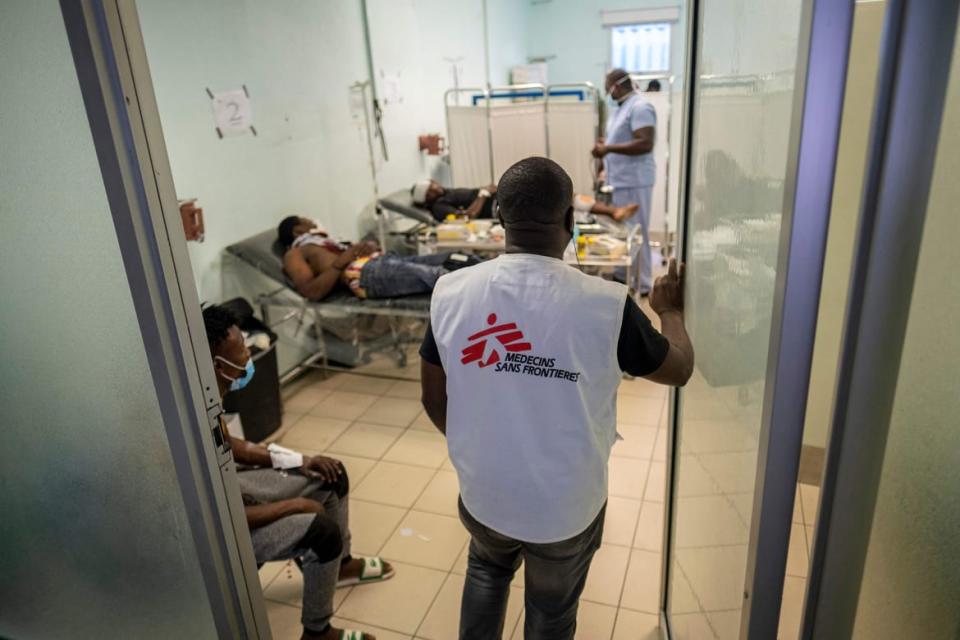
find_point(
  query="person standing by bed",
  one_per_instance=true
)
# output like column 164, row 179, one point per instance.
column 317, row 264
column 627, row 154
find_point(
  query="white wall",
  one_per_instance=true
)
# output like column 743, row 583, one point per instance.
column 410, row 40
column 413, row 40
column 310, row 156
column 508, row 23
column 571, row 34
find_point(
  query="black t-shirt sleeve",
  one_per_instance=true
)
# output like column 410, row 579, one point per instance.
column 428, row 348
column 641, row 349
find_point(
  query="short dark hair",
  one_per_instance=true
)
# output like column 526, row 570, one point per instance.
column 535, row 190
column 653, row 85
column 285, row 230
column 218, row 320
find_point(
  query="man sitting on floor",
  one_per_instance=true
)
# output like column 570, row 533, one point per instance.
column 478, row 203
column 296, row 505
column 318, row 264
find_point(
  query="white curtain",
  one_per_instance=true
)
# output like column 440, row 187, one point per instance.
column 519, row 131
column 659, row 211
column 573, row 131
column 469, row 146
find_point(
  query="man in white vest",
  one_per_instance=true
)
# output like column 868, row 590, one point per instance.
column 520, row 368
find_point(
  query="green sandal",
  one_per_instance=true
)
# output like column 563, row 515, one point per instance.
column 371, row 571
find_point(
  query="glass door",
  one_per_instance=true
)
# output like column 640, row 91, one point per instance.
column 762, row 144
column 120, row 509
column 739, row 141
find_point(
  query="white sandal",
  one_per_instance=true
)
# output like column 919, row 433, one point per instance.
column 372, row 570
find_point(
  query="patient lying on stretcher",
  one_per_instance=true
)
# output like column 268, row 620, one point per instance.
column 317, row 264
column 478, row 203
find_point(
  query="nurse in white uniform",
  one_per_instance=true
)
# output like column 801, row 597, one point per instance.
column 627, row 153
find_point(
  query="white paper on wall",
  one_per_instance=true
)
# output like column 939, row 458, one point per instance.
column 232, row 112
column 358, row 104
column 391, row 88
column 469, row 146
column 529, row 73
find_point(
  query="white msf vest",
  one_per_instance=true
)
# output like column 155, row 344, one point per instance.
column 529, row 346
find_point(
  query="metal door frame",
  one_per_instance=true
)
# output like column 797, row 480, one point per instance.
column 917, row 51
column 110, row 60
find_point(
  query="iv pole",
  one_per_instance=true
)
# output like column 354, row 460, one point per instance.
column 377, row 112
column 377, row 125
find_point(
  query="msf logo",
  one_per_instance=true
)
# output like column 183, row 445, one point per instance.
column 507, row 335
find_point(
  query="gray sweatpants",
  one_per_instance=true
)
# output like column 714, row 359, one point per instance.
column 280, row 540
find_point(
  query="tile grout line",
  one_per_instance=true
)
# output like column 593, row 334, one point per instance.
column 437, row 472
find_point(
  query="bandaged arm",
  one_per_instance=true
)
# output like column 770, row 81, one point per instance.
column 256, row 455
column 583, row 203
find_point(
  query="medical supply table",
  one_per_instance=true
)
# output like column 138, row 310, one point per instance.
column 428, row 245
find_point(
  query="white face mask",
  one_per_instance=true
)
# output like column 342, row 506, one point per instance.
column 611, row 101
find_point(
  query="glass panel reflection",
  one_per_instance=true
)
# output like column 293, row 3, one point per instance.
column 743, row 108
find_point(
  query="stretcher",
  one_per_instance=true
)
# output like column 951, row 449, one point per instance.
column 333, row 323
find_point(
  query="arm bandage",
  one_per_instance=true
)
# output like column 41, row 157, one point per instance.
column 582, row 203
column 283, row 458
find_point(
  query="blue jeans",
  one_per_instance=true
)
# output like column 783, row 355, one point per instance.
column 391, row 276
column 555, row 574
column 642, row 258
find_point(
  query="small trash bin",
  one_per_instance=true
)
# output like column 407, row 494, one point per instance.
column 259, row 404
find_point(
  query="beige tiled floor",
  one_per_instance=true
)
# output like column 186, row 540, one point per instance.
column 403, row 507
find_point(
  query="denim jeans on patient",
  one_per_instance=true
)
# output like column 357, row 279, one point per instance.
column 555, row 574
column 391, row 276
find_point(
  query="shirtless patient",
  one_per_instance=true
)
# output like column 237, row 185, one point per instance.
column 318, row 265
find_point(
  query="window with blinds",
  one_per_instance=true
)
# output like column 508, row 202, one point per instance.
column 641, row 48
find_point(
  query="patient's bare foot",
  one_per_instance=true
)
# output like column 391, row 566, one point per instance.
column 352, row 569
column 622, row 213
column 332, row 633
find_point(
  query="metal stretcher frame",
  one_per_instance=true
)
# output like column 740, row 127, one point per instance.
column 298, row 308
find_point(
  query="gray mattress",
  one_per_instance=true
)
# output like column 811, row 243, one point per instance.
column 264, row 253
column 402, row 202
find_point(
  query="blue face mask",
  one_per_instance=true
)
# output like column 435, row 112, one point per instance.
column 238, row 383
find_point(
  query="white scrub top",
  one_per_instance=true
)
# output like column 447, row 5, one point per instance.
column 630, row 171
